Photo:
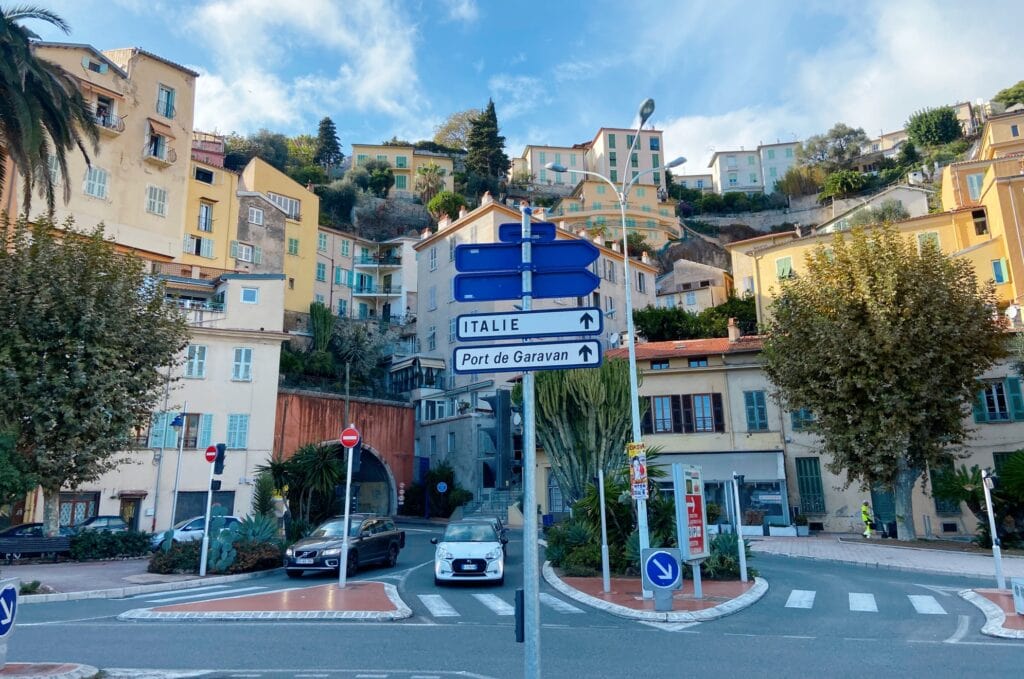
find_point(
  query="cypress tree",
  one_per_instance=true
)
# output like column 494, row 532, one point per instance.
column 328, row 150
column 486, row 148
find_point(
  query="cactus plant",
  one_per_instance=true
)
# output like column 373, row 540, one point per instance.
column 222, row 551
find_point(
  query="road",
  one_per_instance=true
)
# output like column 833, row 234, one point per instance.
column 817, row 619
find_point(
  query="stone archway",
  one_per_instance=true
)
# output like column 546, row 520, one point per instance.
column 373, row 486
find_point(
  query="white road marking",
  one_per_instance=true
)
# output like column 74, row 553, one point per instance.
column 669, row 626
column 205, row 594
column 863, row 602
column 496, row 604
column 926, row 605
column 941, row 590
column 190, row 589
column 438, row 607
column 800, row 598
column 962, row 626
column 558, row 604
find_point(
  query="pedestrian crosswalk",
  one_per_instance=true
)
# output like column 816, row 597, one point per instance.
column 865, row 602
column 439, row 607
column 195, row 593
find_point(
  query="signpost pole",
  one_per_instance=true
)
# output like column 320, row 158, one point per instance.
column 531, row 584
column 742, row 549
column 206, row 525
column 997, row 554
column 682, row 524
column 177, row 466
column 605, row 574
column 343, row 564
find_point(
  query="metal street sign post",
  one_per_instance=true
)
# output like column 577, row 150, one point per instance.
column 499, row 285
column 211, row 455
column 350, row 439
column 531, row 356
column 691, row 526
column 520, row 324
column 206, row 524
column 663, row 573
column 8, row 612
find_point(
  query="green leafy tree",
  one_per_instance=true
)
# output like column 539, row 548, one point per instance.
column 842, row 183
column 934, row 126
column 84, row 333
column 446, row 203
column 429, row 181
column 42, row 112
column 327, row 153
column 321, row 323
column 833, row 150
column 272, row 147
column 454, row 131
column 381, row 177
column 908, row 155
column 894, row 336
column 961, row 485
column 486, row 157
column 637, row 244
column 1013, row 94
column 801, row 180
column 337, row 200
column 664, row 324
column 358, row 177
column 888, row 212
column 361, row 345
column 15, row 479
column 302, row 150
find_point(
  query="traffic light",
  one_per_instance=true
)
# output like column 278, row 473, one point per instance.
column 500, row 434
column 215, row 484
column 357, row 455
column 218, row 462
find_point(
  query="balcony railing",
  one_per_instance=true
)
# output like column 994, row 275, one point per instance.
column 109, row 123
column 378, row 260
column 377, row 290
column 165, row 157
column 195, row 305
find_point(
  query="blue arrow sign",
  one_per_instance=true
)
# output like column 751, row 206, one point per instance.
column 8, row 609
column 662, row 569
column 541, row 232
column 488, row 287
column 562, row 254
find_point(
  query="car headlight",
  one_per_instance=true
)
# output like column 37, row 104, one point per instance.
column 443, row 553
column 493, row 554
column 288, row 552
column 332, row 552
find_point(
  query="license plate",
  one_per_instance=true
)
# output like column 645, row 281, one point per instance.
column 304, row 562
column 469, row 567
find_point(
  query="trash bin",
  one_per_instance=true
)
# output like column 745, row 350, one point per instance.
column 548, row 520
column 890, row 529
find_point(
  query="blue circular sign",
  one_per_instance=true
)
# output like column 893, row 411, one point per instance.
column 442, row 487
column 662, row 570
column 8, row 609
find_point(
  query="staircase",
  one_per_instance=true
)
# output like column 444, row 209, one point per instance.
column 493, row 503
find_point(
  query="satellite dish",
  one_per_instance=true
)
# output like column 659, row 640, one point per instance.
column 614, row 338
column 1012, row 311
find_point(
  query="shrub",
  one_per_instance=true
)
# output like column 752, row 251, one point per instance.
column 255, row 529
column 255, row 556
column 29, row 587
column 298, row 529
column 182, row 557
column 724, row 563
column 92, row 544
column 578, row 571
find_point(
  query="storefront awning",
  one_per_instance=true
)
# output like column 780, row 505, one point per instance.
column 767, row 465
column 99, row 89
column 160, row 128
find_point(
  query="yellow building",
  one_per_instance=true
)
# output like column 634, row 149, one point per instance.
column 405, row 161
column 138, row 180
column 594, row 206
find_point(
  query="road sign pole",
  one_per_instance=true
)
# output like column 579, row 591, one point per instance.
column 997, row 554
column 177, row 466
column 742, row 544
column 343, row 564
column 531, row 577
column 683, row 526
column 206, row 525
column 606, row 579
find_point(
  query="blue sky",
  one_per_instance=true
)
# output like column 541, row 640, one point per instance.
column 724, row 74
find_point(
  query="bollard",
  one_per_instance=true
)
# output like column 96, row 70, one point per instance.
column 520, row 628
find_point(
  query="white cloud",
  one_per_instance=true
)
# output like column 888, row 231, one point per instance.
column 462, row 10
column 515, row 95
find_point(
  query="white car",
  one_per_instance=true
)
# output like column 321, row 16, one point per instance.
column 189, row 529
column 469, row 551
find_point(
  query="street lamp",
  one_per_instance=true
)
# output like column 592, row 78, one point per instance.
column 178, row 425
column 622, row 193
column 988, row 485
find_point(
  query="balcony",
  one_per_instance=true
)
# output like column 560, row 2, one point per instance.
column 163, row 157
column 371, row 290
column 378, row 260
column 109, row 124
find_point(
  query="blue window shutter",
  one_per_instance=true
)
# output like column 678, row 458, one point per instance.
column 206, row 248
column 243, row 431
column 85, row 62
column 103, row 68
column 170, row 435
column 234, row 248
column 170, row 103
column 185, row 244
column 156, row 429
column 794, row 420
column 205, row 430
column 232, row 431
column 1016, row 400
column 980, row 411
column 748, row 401
column 257, row 255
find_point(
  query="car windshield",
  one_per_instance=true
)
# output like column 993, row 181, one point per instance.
column 470, row 532
column 183, row 523
column 335, row 529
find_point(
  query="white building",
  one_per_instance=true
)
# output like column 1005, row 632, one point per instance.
column 754, row 171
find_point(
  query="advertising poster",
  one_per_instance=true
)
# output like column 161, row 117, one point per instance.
column 697, row 530
column 637, row 470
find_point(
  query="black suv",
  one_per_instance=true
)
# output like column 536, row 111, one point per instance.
column 372, row 539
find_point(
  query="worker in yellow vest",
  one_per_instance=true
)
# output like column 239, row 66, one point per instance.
column 865, row 516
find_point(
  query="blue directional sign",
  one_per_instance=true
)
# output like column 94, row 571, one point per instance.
column 561, row 254
column 442, row 487
column 488, row 287
column 8, row 609
column 512, row 232
column 661, row 569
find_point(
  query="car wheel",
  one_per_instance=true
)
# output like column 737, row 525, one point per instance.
column 438, row 582
column 392, row 556
column 353, row 564
column 501, row 581
column 293, row 573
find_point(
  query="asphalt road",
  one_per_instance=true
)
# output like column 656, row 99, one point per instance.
column 817, row 619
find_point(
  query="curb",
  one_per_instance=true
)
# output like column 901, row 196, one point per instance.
column 58, row 670
column 132, row 590
column 401, row 611
column 877, row 564
column 744, row 600
column 994, row 617
column 868, row 543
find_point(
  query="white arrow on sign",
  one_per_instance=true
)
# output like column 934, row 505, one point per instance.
column 523, row 324
column 7, row 612
column 527, row 356
column 666, row 574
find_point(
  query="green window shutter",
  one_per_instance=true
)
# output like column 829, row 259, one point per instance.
column 170, row 435
column 751, row 405
column 232, row 430
column 980, row 411
column 206, row 248
column 257, row 255
column 186, row 241
column 1016, row 400
column 170, row 103
column 205, row 430
column 812, row 495
column 943, row 506
column 156, row 429
column 234, row 248
column 647, row 424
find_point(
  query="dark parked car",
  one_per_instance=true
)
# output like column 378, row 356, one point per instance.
column 494, row 522
column 27, row 530
column 105, row 523
column 372, row 539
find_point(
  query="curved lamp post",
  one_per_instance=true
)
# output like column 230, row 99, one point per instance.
column 622, row 194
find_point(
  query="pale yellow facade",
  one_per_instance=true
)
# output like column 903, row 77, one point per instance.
column 534, row 158
column 138, row 183
column 211, row 214
column 693, row 286
column 594, row 206
column 405, row 162
column 609, row 154
column 1003, row 135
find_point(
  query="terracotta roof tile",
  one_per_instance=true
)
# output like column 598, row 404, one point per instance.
column 690, row 347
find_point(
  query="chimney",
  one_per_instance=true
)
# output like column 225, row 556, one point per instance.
column 444, row 222
column 462, row 212
column 644, row 258
column 734, row 331
column 426, row 234
column 487, row 198
column 615, row 246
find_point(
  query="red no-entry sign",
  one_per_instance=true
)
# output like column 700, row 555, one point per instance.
column 211, row 453
column 350, row 437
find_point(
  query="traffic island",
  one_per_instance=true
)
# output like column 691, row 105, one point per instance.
column 1001, row 619
column 721, row 597
column 365, row 600
column 47, row 670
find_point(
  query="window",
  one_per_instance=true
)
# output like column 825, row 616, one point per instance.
column 661, row 364
column 543, row 176
column 929, row 237
column 789, row 152
column 293, row 246
column 238, row 431
column 157, row 146
column 205, row 217
column 156, row 200
column 321, row 242
column 452, row 327
column 165, row 101
column 244, row 252
column 361, row 158
column 634, row 174
column 757, row 411
column 655, row 160
column 433, row 258
column 656, row 177
column 346, row 248
column 999, row 461
column 609, row 270
column 1000, row 402
column 772, row 172
column 1014, row 131
column 662, row 414
column 401, row 182
column 203, row 175
column 980, row 222
column 201, row 247
column 691, row 299
column 771, row 154
column 641, row 282
column 451, row 442
column 974, row 182
column 318, row 298
column 702, row 415
column 698, row 362
column 655, row 144
column 750, row 160
column 748, row 284
column 54, row 167
column 808, row 480
column 733, row 179
column 615, row 175
column 612, row 158
column 691, row 413
column 609, row 305
column 96, row 182
column 600, row 189
column 432, row 338
column 382, row 157
column 290, row 206
column 634, row 160
column 784, row 267
column 195, row 361
column 342, row 308
column 999, row 274
column 801, row 419
column 256, row 216
column 700, row 183
column 611, row 140
column 401, row 162
column 730, row 161
column 321, row 271
column 630, row 138
column 432, row 298
column 752, row 177
column 242, row 367
column 250, row 295
column 942, row 506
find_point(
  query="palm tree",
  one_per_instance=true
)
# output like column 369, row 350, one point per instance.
column 429, row 180
column 42, row 111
